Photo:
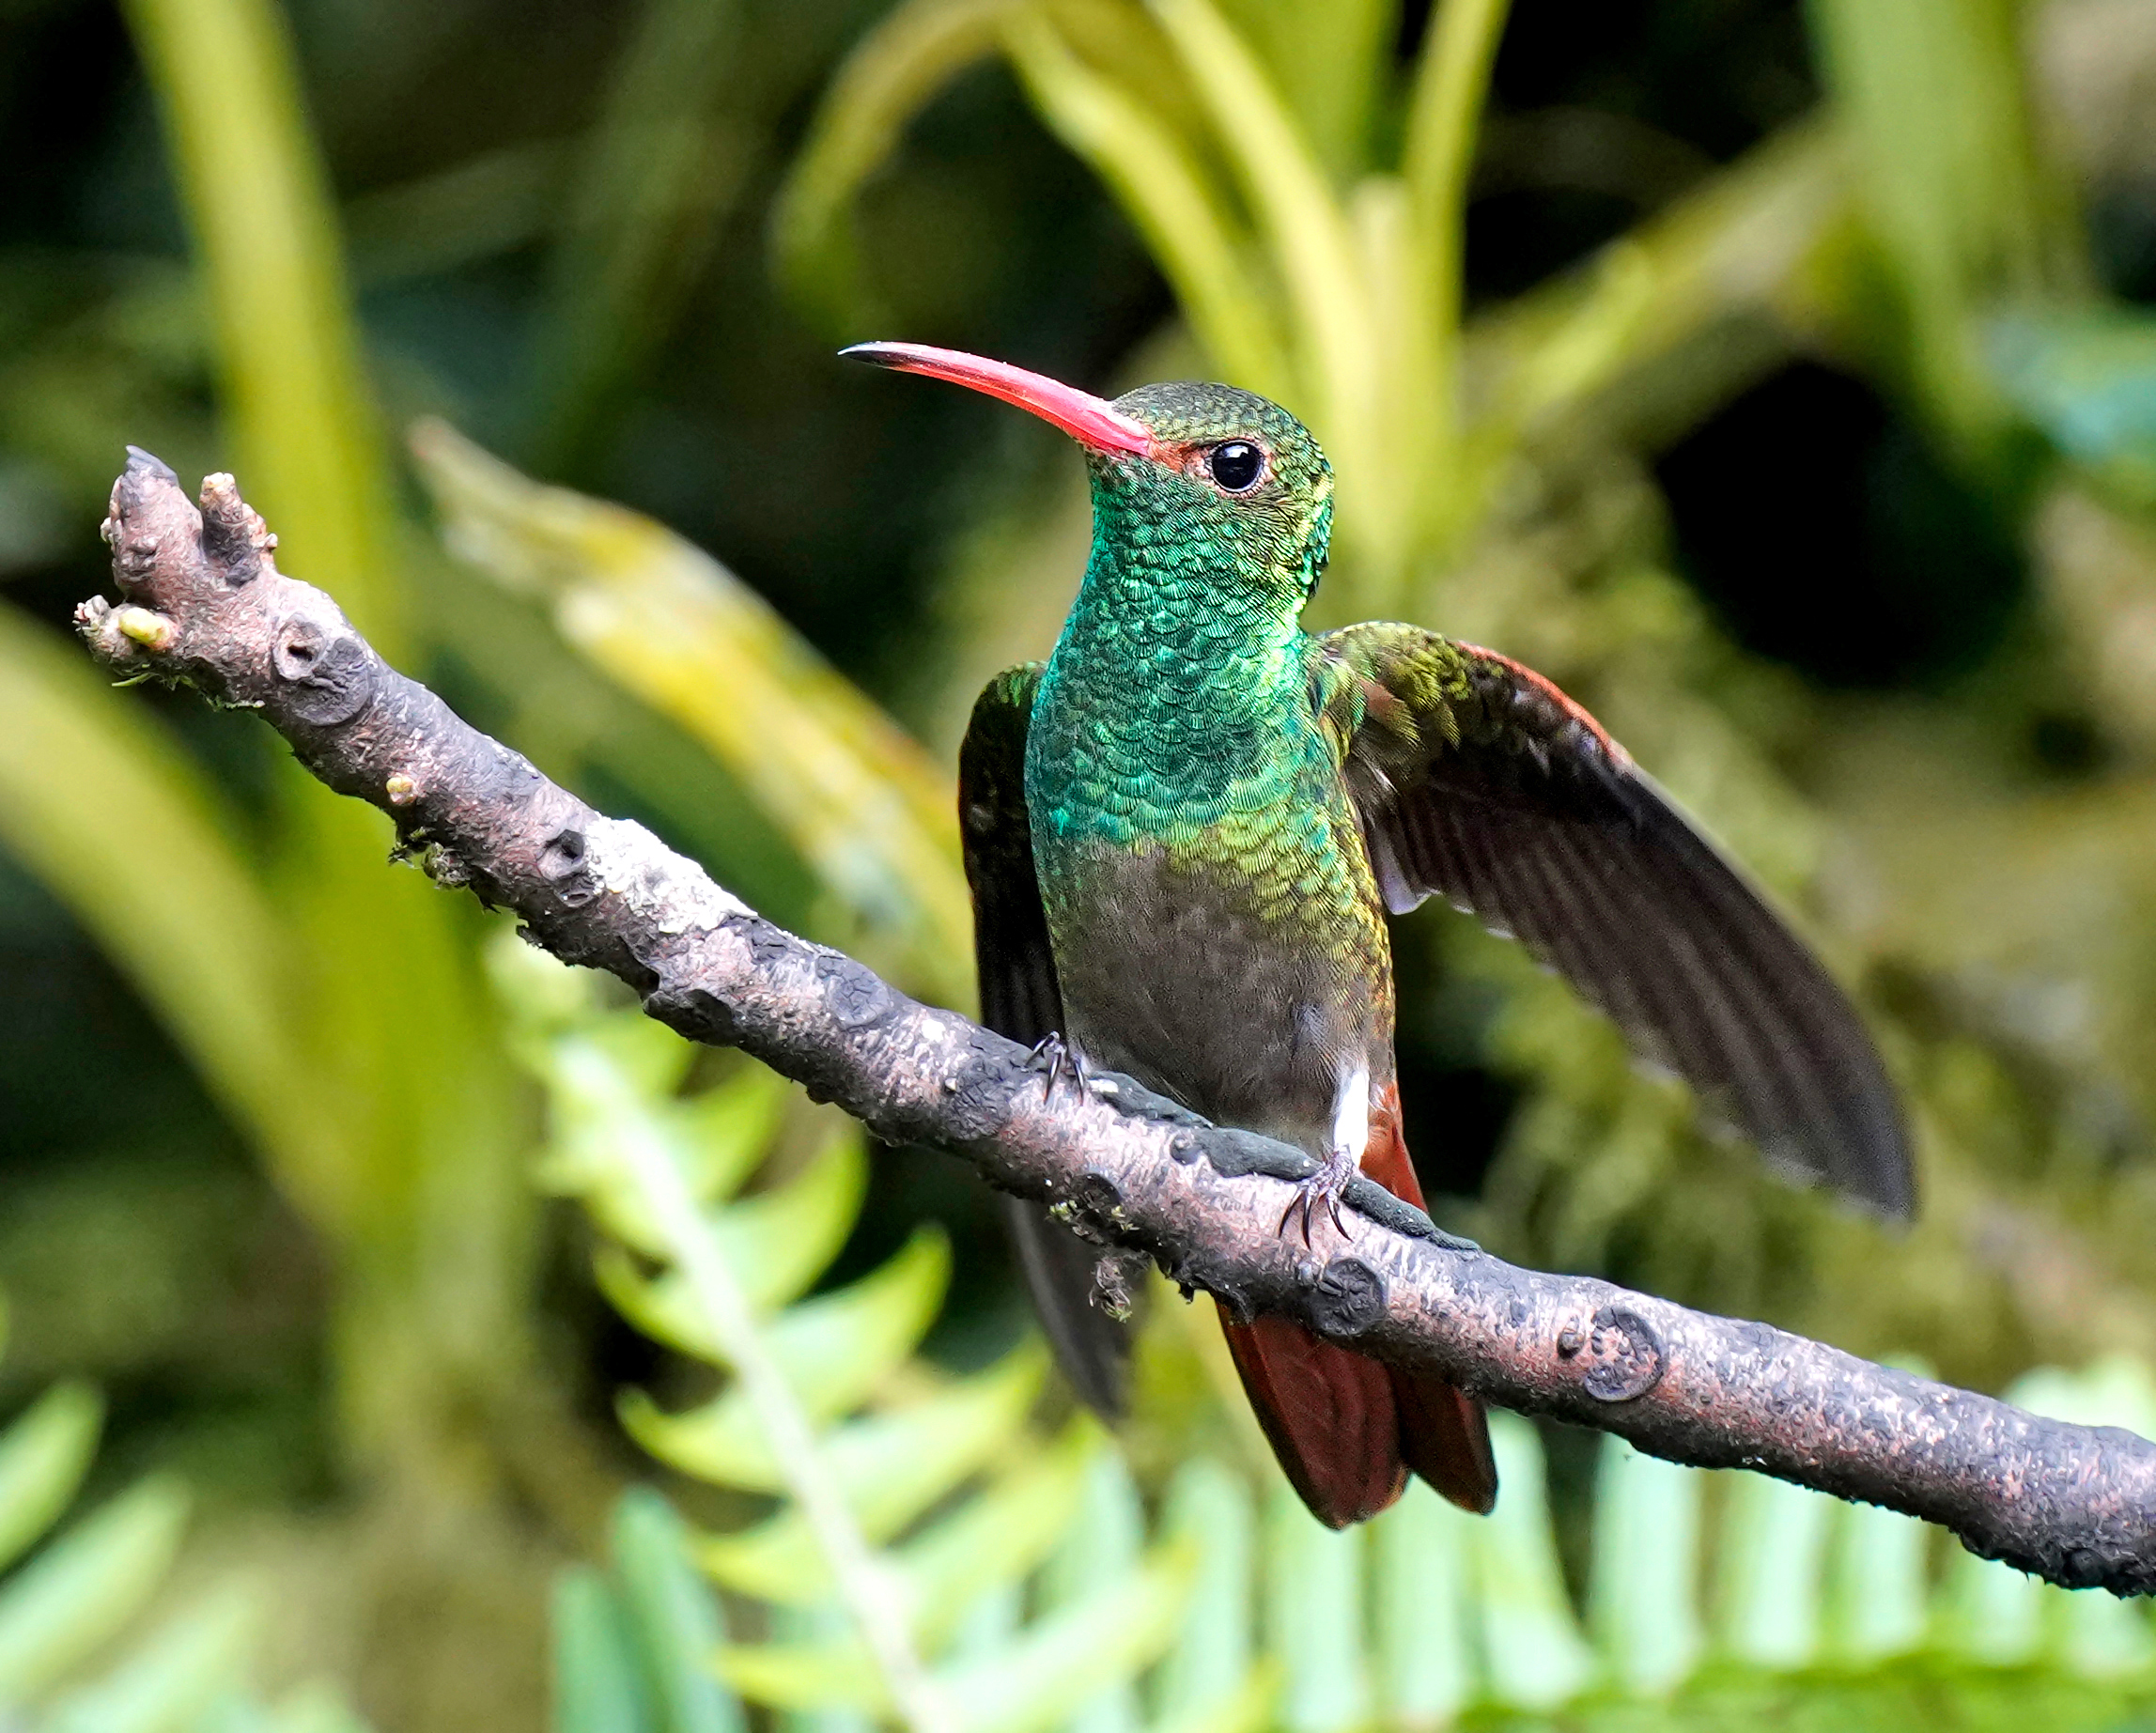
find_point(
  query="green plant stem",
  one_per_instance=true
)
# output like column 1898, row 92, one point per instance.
column 1166, row 195
column 406, row 1165
column 868, row 1588
column 1286, row 191
column 1450, row 87
column 257, row 199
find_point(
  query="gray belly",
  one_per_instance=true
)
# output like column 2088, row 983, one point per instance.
column 1165, row 979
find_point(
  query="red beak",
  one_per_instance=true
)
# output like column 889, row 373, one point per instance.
column 1092, row 421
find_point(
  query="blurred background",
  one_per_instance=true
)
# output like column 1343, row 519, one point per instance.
column 1780, row 379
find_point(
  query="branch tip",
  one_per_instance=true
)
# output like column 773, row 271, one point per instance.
column 142, row 462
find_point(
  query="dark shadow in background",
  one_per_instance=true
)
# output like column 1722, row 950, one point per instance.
column 1808, row 506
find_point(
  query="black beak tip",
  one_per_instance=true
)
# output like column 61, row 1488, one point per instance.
column 876, row 354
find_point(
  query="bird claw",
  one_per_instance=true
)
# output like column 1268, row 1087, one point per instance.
column 1059, row 1059
column 1322, row 1190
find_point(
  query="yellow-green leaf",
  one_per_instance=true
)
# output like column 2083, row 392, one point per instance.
column 998, row 1536
column 79, row 1593
column 836, row 1347
column 867, row 808
column 1166, row 194
column 1063, row 1659
column 43, row 1457
column 724, row 1443
column 891, row 74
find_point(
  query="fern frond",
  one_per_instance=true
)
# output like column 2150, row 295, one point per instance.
column 985, row 1547
column 1038, row 1588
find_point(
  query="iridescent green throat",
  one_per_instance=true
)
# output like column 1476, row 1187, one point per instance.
column 1178, row 695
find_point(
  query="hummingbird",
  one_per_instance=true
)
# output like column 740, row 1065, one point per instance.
column 1186, row 833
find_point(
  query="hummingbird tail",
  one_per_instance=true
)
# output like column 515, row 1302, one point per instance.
column 1092, row 1348
column 1328, row 1413
column 1345, row 1428
column 1444, row 1434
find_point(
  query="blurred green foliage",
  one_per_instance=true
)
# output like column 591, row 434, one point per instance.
column 69, row 1598
column 1024, row 1582
column 1776, row 376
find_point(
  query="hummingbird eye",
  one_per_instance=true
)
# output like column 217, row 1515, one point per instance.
column 1235, row 465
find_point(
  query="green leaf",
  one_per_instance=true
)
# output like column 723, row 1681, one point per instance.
column 1879, row 1604
column 998, row 1537
column 1423, row 1564
column 727, row 1131
column 1931, row 94
column 78, row 1593
column 1250, row 1707
column 257, row 199
column 803, row 1675
column 1333, row 66
column 835, row 1348
column 1026, row 1687
column 1063, row 1658
column 1312, row 252
column 722, row 1442
column 674, row 1619
column 1774, row 1553
column 592, row 736
column 43, row 1457
column 1992, row 1616
column 1452, row 79
column 1644, row 1601
column 661, row 171
column 608, row 1091
column 1531, row 1643
column 1314, row 1619
column 1167, row 194
column 1208, row 1506
column 891, row 1469
column 602, row 1093
column 317, row 1707
column 597, row 1686
column 867, row 808
column 89, row 790
column 167, row 1684
column 1746, row 243
column 893, row 71
column 780, row 1241
column 1096, row 1553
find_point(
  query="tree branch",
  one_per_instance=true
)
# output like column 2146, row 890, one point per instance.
column 206, row 607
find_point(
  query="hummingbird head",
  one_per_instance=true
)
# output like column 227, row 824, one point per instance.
column 1186, row 479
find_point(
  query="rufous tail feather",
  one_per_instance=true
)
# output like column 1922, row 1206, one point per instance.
column 1345, row 1428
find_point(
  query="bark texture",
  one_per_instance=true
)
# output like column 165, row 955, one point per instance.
column 204, row 605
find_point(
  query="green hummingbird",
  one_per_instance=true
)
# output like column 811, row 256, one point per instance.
column 1185, row 830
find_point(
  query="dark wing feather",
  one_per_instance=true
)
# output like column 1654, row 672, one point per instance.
column 1477, row 780
column 1019, row 997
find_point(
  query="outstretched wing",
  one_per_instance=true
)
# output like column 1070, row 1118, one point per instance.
column 1477, row 780
column 1019, row 998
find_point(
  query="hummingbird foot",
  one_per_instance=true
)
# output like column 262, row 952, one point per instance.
column 1060, row 1059
column 1322, row 1191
